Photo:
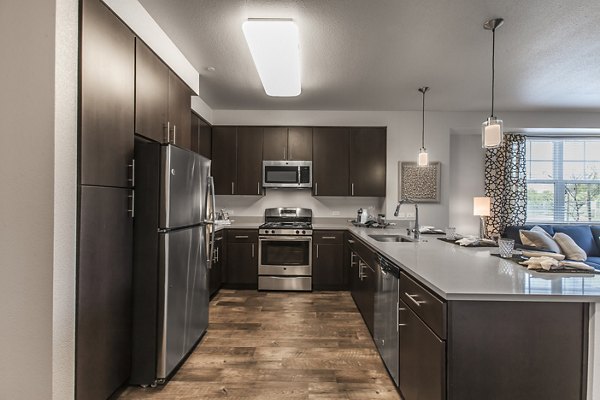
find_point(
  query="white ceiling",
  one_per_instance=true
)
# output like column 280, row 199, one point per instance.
column 374, row 54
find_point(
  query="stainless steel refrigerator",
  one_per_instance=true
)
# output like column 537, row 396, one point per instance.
column 173, row 217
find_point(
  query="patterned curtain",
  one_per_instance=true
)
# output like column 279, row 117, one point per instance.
column 506, row 185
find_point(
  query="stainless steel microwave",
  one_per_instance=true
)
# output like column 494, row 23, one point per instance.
column 287, row 174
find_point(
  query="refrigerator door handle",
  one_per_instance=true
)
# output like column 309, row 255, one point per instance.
column 210, row 221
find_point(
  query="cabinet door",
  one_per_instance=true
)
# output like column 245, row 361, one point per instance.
column 104, row 289
column 327, row 267
column 330, row 162
column 367, row 163
column 275, row 144
column 151, row 94
column 224, row 166
column 216, row 272
column 180, row 105
column 242, row 265
column 249, row 160
column 300, row 144
column 107, row 97
column 422, row 359
column 204, row 138
column 369, row 286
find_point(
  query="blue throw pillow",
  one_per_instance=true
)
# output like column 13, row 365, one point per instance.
column 596, row 233
column 582, row 235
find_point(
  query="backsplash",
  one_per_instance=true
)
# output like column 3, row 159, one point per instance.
column 321, row 206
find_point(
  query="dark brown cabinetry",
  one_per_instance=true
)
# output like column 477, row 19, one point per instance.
column 367, row 162
column 103, row 344
column 242, row 259
column 224, row 160
column 330, row 161
column 216, row 271
column 249, row 161
column 107, row 97
column 163, row 101
column 281, row 143
column 363, row 279
column 328, row 268
column 201, row 137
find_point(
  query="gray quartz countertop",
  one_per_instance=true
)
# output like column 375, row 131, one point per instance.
column 462, row 273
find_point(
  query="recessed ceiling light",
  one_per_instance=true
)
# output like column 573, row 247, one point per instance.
column 275, row 48
column 211, row 69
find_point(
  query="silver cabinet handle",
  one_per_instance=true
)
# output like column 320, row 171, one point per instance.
column 317, row 250
column 284, row 152
column 132, row 166
column 412, row 298
column 328, row 237
column 217, row 254
column 132, row 209
column 252, row 250
column 241, row 236
column 168, row 132
column 289, row 155
column 258, row 188
column 350, row 241
column 397, row 315
column 174, row 133
column 232, row 187
column 353, row 189
column 316, row 189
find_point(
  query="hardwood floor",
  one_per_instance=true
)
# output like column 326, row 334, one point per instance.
column 280, row 345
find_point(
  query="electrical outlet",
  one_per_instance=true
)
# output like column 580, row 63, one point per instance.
column 335, row 213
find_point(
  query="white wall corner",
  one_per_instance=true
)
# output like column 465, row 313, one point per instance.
column 202, row 109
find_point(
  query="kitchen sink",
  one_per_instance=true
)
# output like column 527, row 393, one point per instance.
column 391, row 238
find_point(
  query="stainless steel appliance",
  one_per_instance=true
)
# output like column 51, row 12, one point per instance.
column 285, row 250
column 386, row 314
column 174, row 202
column 287, row 174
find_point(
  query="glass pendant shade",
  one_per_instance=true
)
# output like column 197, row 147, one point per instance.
column 491, row 133
column 423, row 157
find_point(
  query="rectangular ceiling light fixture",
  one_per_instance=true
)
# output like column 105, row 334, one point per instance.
column 275, row 48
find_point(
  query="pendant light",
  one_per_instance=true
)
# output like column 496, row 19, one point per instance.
column 423, row 156
column 491, row 129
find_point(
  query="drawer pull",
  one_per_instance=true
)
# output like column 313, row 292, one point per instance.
column 412, row 298
column 350, row 241
column 401, row 324
column 241, row 236
column 329, row 237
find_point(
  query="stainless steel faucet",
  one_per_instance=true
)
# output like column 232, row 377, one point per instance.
column 415, row 230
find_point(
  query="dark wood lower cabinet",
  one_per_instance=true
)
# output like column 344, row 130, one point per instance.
column 104, row 279
column 216, row 271
column 242, row 259
column 327, row 267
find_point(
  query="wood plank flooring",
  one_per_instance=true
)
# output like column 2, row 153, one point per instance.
column 280, row 345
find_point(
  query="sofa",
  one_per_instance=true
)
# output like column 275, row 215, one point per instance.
column 586, row 236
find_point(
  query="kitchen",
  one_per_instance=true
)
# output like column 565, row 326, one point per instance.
column 46, row 318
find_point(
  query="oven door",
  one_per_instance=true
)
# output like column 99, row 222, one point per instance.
column 285, row 255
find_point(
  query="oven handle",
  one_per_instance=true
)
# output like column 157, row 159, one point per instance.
column 285, row 238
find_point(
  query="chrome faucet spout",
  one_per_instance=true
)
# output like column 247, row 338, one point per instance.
column 406, row 200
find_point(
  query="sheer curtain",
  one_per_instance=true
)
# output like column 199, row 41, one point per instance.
column 505, row 183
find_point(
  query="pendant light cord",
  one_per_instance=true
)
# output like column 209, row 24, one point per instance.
column 493, row 66
column 423, row 123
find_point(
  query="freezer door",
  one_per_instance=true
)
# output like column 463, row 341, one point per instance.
column 183, row 293
column 183, row 187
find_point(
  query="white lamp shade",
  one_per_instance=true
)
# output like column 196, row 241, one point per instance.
column 481, row 206
column 423, row 157
column 491, row 133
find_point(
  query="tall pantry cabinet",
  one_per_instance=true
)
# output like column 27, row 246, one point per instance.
column 104, row 259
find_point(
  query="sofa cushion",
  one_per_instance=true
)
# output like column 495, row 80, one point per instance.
column 512, row 232
column 596, row 234
column 582, row 235
column 594, row 262
column 569, row 248
column 539, row 239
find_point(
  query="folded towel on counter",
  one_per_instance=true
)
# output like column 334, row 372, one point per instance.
column 548, row 263
column 534, row 253
column 475, row 241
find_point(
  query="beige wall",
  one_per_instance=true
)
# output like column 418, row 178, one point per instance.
column 33, row 223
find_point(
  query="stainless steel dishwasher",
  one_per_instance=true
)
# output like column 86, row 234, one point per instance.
column 386, row 314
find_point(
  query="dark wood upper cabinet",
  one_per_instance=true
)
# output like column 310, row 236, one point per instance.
column 287, row 144
column 249, row 160
column 367, row 163
column 180, row 104
column 151, row 94
column 300, row 144
column 224, row 160
column 163, row 101
column 107, row 97
column 275, row 143
column 201, row 138
column 330, row 161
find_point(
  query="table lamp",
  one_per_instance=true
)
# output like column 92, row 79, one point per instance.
column 481, row 208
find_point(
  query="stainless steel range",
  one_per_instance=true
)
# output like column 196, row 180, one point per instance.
column 285, row 250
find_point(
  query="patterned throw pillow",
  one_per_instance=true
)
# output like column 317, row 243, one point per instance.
column 569, row 247
column 539, row 238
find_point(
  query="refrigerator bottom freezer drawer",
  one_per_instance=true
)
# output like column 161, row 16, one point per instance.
column 297, row 283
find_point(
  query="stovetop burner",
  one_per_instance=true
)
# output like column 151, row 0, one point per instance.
column 287, row 221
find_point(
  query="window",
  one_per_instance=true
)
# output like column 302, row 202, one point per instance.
column 563, row 180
